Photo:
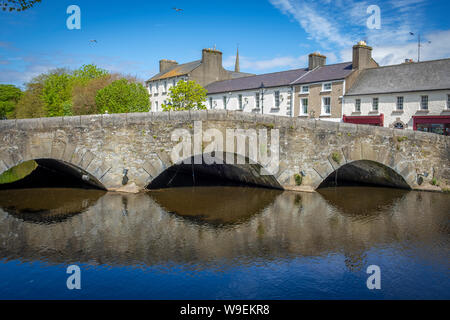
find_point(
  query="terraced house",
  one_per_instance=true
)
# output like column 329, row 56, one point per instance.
column 208, row 69
column 312, row 92
column 405, row 96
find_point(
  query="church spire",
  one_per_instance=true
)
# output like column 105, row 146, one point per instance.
column 237, row 68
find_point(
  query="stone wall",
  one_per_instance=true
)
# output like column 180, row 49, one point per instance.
column 104, row 145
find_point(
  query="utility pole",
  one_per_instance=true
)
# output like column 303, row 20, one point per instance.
column 419, row 45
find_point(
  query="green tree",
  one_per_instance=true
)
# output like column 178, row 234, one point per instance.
column 123, row 96
column 57, row 91
column 9, row 97
column 83, row 98
column 88, row 72
column 31, row 104
column 186, row 95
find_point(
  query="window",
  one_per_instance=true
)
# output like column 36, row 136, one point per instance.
column 156, row 105
column 224, row 98
column 174, row 83
column 277, row 99
column 326, row 105
column 424, row 103
column 399, row 103
column 326, row 86
column 240, row 102
column 211, row 103
column 156, row 88
column 165, row 86
column 375, row 104
column 150, row 88
column 304, row 106
column 448, row 101
column 257, row 100
column 305, row 89
column 358, row 105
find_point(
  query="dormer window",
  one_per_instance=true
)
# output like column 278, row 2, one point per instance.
column 326, row 86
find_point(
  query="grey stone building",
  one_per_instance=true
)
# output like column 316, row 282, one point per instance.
column 205, row 71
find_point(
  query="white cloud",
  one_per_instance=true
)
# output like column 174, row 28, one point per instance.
column 315, row 23
column 337, row 25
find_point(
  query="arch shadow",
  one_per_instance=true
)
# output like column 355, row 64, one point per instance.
column 195, row 171
column 365, row 173
column 52, row 173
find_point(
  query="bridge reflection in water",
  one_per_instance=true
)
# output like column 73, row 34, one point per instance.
column 217, row 227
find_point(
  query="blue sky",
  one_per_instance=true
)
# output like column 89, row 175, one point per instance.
column 273, row 35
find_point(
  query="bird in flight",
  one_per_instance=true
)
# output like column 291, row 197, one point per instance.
column 177, row 9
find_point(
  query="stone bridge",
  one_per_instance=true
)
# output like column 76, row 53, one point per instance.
column 99, row 148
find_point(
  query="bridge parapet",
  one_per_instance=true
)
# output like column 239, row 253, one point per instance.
column 104, row 145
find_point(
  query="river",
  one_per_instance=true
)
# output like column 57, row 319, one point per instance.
column 224, row 243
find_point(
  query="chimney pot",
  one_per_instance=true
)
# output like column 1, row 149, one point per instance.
column 316, row 60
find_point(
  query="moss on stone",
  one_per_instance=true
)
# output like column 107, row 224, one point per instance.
column 336, row 157
column 298, row 179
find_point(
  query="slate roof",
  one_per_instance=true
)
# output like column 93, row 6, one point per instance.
column 283, row 78
column 177, row 70
column 407, row 77
column 254, row 82
column 327, row 73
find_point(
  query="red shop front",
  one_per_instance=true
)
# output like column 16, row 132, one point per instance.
column 435, row 124
column 369, row 120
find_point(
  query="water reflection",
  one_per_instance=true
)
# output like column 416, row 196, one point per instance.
column 238, row 226
column 47, row 205
column 215, row 205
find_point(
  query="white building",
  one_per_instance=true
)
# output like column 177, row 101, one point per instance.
column 412, row 96
column 313, row 92
column 208, row 69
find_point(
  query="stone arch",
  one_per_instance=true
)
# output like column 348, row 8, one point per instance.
column 77, row 161
column 242, row 170
column 379, row 156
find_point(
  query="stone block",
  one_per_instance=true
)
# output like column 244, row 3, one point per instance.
column 309, row 124
column 7, row 125
column 352, row 152
column 324, row 169
column 139, row 118
column 217, row 115
column 71, row 122
column 53, row 123
column 347, row 128
column 91, row 121
column 198, row 115
column 322, row 125
column 181, row 116
column 29, row 124
column 87, row 159
column 160, row 116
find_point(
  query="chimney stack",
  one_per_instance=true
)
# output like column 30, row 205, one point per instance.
column 212, row 58
column 316, row 60
column 165, row 64
column 362, row 56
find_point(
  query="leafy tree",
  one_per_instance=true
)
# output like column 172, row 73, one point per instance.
column 84, row 95
column 17, row 5
column 89, row 72
column 57, row 90
column 123, row 96
column 31, row 104
column 9, row 97
column 186, row 95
